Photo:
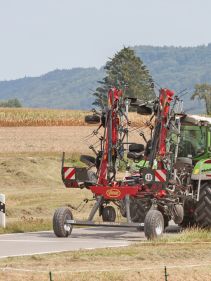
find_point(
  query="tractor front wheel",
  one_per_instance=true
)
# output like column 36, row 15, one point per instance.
column 60, row 227
column 153, row 224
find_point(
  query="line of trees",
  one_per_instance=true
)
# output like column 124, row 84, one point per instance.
column 10, row 103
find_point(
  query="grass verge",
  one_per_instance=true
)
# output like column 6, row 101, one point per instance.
column 141, row 261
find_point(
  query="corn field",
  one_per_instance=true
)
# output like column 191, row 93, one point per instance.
column 21, row 117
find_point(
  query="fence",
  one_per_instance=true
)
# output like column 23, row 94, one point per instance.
column 2, row 211
column 54, row 275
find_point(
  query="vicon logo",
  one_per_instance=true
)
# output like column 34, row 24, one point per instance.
column 114, row 193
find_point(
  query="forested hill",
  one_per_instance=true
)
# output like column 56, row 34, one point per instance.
column 173, row 67
column 177, row 67
column 68, row 89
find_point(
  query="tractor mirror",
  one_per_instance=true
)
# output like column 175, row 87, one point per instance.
column 92, row 119
column 144, row 110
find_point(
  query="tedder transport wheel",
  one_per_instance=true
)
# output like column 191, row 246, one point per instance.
column 153, row 224
column 92, row 119
column 137, row 210
column 60, row 228
column 88, row 160
column 178, row 213
column 136, row 147
column 189, row 218
column 109, row 214
column 203, row 207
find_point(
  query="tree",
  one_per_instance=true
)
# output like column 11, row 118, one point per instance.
column 203, row 92
column 10, row 103
column 126, row 70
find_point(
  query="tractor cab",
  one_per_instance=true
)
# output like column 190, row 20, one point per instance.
column 195, row 138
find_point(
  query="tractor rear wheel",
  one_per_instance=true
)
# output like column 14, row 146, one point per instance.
column 153, row 224
column 203, row 207
column 60, row 228
column 109, row 214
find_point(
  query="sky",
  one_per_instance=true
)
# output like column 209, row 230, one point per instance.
column 38, row 36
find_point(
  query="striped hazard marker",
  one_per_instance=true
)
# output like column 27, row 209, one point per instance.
column 160, row 175
column 69, row 173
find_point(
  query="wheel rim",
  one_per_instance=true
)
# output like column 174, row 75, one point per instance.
column 67, row 227
column 159, row 228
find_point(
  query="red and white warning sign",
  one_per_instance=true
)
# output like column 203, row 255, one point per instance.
column 69, row 173
column 160, row 175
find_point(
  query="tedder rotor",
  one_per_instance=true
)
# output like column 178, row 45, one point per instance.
column 151, row 193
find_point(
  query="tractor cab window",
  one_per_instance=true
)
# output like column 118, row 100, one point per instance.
column 192, row 142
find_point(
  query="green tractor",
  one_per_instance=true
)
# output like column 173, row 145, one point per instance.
column 194, row 169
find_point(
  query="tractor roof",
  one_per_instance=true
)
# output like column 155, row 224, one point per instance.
column 197, row 119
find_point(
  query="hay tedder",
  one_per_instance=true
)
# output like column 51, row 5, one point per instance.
column 167, row 177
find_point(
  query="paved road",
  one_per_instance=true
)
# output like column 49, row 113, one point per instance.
column 82, row 238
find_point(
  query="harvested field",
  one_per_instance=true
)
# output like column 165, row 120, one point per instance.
column 30, row 164
column 44, row 139
column 34, row 189
column 50, row 139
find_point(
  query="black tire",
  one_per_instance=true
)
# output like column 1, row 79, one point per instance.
column 92, row 119
column 88, row 160
column 203, row 207
column 189, row 218
column 178, row 214
column 59, row 227
column 144, row 110
column 135, row 156
column 136, row 147
column 122, row 208
column 137, row 211
column 109, row 214
column 153, row 224
column 166, row 221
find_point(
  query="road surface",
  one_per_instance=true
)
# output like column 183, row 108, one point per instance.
column 32, row 243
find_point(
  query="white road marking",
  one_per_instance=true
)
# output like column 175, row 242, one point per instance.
column 62, row 241
column 57, row 252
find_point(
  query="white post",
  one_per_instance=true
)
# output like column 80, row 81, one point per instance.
column 2, row 211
